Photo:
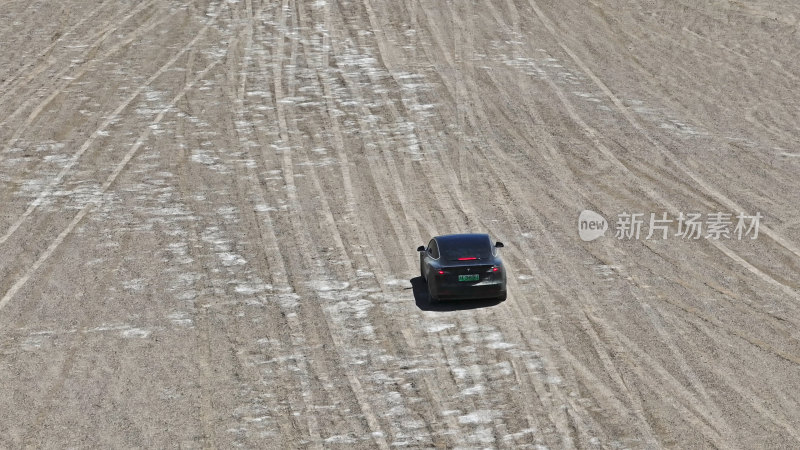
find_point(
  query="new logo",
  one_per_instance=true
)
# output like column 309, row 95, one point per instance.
column 591, row 225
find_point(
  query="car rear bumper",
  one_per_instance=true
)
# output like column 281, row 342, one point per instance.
column 469, row 292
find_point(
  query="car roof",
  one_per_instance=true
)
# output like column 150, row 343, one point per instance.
column 457, row 239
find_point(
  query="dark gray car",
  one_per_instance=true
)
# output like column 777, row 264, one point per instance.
column 463, row 266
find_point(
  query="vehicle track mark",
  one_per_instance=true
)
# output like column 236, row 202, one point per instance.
column 34, row 114
column 97, row 133
column 722, row 199
column 560, row 421
column 588, row 318
column 269, row 235
column 108, row 182
column 43, row 65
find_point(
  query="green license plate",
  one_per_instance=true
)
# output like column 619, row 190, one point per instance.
column 474, row 277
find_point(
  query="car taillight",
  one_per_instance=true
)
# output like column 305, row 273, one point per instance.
column 495, row 269
column 471, row 258
column 441, row 272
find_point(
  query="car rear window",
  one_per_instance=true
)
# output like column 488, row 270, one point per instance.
column 465, row 248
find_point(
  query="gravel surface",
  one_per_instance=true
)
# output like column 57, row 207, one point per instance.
column 209, row 213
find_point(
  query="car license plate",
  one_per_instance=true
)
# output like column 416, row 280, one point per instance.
column 474, row 277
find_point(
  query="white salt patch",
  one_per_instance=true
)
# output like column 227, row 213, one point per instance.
column 439, row 327
column 503, row 368
column 356, row 309
column 32, row 343
column 255, row 419
column 519, row 434
column 180, row 318
column 202, row 157
column 500, row 345
column 288, row 301
column 263, row 208
column 189, row 278
column 135, row 285
column 107, row 327
column 328, row 285
column 473, row 390
column 252, row 288
column 480, row 416
column 340, row 439
column 135, row 333
column 482, row 435
column 396, row 282
column 231, row 259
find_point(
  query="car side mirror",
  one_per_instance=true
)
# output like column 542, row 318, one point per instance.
column 499, row 244
column 421, row 248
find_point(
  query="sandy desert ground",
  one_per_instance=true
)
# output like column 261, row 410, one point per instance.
column 209, row 212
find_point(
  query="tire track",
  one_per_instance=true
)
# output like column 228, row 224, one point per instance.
column 577, row 206
column 391, row 172
column 277, row 266
column 201, row 337
column 108, row 182
column 683, row 364
column 718, row 196
column 355, row 385
column 477, row 373
column 48, row 405
column 561, row 422
column 510, row 215
column 354, row 380
column 97, row 133
column 557, row 365
column 43, row 65
column 373, row 260
column 202, row 314
column 86, row 210
column 439, row 189
column 34, row 114
column 322, row 372
column 759, row 59
column 375, row 246
column 594, row 136
column 598, row 343
column 89, row 208
column 542, row 390
column 590, row 321
column 758, row 404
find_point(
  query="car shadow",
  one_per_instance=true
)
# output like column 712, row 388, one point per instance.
column 420, row 289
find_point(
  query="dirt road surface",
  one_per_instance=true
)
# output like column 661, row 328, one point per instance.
column 209, row 211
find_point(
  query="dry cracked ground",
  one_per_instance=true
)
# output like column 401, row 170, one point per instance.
column 209, row 212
